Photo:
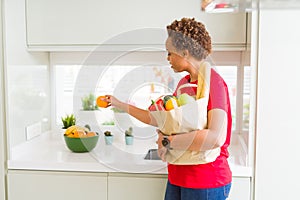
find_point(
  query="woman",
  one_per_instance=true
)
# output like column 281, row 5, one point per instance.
column 188, row 44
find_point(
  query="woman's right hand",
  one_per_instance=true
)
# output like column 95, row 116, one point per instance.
column 138, row 113
column 161, row 149
column 112, row 101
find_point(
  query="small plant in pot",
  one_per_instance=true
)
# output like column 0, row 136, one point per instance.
column 89, row 102
column 108, row 137
column 129, row 136
column 68, row 120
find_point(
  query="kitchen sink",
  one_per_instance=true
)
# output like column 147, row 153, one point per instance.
column 152, row 155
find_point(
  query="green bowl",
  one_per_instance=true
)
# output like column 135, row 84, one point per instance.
column 84, row 144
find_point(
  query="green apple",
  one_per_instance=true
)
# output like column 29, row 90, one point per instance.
column 185, row 99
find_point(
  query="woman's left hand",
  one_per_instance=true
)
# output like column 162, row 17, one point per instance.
column 161, row 149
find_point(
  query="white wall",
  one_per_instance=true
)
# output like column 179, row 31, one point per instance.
column 278, row 134
column 28, row 80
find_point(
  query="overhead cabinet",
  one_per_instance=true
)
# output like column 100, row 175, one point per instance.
column 117, row 23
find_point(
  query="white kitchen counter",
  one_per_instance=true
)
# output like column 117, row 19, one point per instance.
column 49, row 152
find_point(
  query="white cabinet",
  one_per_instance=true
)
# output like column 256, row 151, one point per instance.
column 152, row 187
column 37, row 185
column 240, row 189
column 56, row 23
column 136, row 187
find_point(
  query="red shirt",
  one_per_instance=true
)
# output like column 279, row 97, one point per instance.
column 217, row 173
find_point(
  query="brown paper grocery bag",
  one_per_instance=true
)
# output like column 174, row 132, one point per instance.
column 186, row 118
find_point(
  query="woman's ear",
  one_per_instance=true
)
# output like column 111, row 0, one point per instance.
column 185, row 53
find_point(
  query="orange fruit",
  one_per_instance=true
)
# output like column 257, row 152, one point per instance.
column 79, row 134
column 101, row 103
column 91, row 134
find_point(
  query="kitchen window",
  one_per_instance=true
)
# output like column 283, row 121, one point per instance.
column 117, row 80
column 137, row 85
column 238, row 82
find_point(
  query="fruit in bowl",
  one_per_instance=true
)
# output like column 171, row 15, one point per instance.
column 80, row 139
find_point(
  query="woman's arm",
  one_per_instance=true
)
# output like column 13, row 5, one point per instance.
column 200, row 140
column 138, row 113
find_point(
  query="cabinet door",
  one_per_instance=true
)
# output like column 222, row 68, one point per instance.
column 56, row 185
column 117, row 22
column 136, row 187
column 240, row 189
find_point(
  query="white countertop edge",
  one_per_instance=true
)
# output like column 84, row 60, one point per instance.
column 237, row 171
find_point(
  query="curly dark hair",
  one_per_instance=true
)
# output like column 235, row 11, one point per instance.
column 188, row 34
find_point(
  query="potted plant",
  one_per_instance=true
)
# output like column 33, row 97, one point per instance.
column 129, row 136
column 89, row 112
column 89, row 102
column 108, row 123
column 68, row 120
column 108, row 137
